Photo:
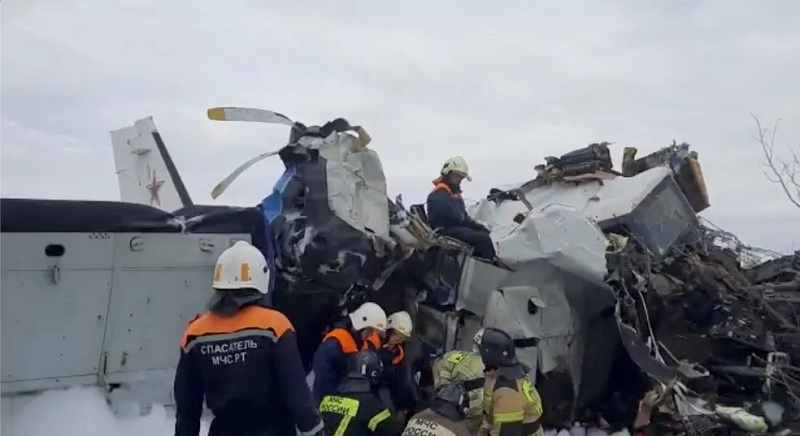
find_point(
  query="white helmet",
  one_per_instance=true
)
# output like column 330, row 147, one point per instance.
column 241, row 266
column 400, row 321
column 458, row 165
column 476, row 340
column 369, row 315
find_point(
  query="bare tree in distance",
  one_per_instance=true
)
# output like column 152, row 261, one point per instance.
column 784, row 172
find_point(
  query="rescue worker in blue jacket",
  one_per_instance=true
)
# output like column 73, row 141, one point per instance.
column 447, row 213
column 242, row 358
column 363, row 328
column 354, row 409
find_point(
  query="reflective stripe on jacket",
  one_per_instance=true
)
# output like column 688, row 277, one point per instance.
column 467, row 368
column 356, row 414
column 220, row 358
column 512, row 404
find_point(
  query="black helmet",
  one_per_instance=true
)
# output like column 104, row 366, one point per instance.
column 451, row 401
column 497, row 348
column 366, row 364
column 454, row 394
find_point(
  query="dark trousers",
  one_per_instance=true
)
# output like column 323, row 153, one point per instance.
column 477, row 239
column 253, row 426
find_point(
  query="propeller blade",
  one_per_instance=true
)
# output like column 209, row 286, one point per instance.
column 223, row 185
column 248, row 114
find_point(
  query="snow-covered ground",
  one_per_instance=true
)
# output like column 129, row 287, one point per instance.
column 82, row 411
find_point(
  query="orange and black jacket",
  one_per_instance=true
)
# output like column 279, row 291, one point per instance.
column 392, row 358
column 397, row 377
column 248, row 369
column 446, row 208
column 330, row 359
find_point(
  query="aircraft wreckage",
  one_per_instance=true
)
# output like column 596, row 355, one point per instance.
column 612, row 286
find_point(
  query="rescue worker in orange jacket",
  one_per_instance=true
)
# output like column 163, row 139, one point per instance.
column 398, row 329
column 363, row 328
column 447, row 213
column 396, row 374
column 242, row 358
column 511, row 405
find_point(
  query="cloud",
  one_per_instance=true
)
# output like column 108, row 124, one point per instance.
column 503, row 87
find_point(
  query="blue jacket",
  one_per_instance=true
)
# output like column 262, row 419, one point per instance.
column 330, row 367
column 331, row 359
column 446, row 208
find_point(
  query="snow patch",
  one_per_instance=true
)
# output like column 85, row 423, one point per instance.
column 82, row 411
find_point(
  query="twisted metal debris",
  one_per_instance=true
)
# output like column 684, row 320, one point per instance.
column 721, row 341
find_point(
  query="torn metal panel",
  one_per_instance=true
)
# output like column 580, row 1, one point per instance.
column 599, row 201
column 478, row 280
column 356, row 187
column 642, row 354
column 553, row 316
column 560, row 236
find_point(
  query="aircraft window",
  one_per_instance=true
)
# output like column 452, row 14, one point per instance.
column 662, row 218
column 54, row 250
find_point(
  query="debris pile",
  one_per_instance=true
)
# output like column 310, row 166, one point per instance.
column 707, row 345
column 710, row 334
column 717, row 342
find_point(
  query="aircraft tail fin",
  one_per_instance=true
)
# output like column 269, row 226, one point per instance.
column 145, row 170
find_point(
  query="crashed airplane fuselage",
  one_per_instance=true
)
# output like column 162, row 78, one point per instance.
column 133, row 275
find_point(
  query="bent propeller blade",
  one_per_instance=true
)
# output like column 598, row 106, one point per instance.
column 223, row 185
column 248, row 114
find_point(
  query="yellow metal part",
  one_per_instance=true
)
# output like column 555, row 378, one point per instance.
column 363, row 136
column 216, row 114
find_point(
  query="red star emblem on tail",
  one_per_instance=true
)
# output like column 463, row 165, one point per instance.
column 154, row 187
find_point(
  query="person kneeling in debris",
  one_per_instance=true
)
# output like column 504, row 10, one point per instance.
column 445, row 416
column 354, row 409
column 361, row 329
column 392, row 354
column 398, row 331
column 511, row 405
column 242, row 357
column 447, row 213
column 466, row 368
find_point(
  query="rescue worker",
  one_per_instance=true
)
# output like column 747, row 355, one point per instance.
column 447, row 213
column 354, row 409
column 511, row 405
column 396, row 376
column 398, row 329
column 361, row 329
column 445, row 416
column 466, row 368
column 242, row 358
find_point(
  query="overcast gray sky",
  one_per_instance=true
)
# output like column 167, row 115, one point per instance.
column 502, row 86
